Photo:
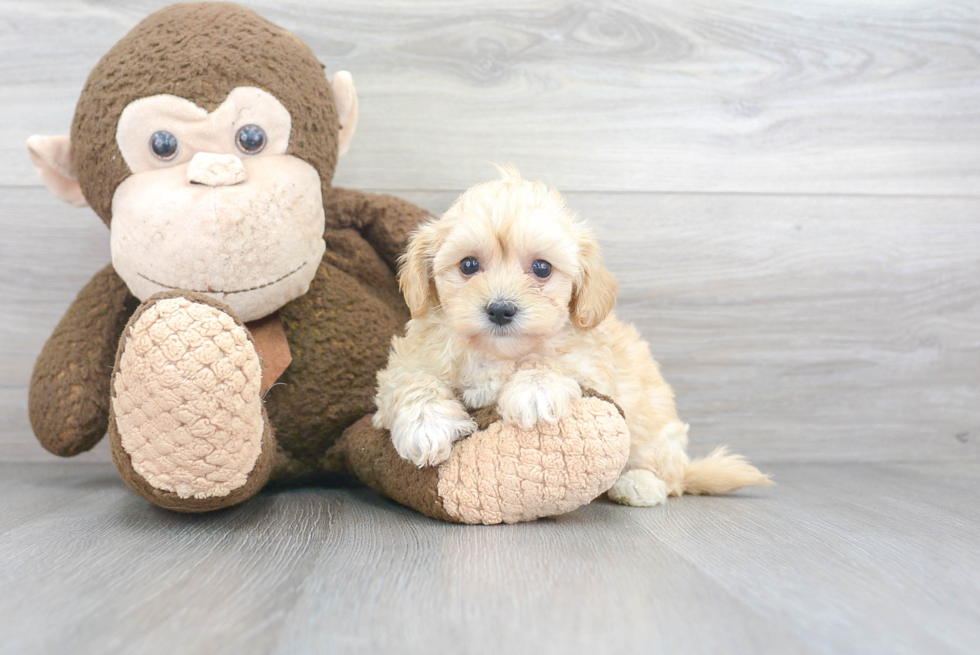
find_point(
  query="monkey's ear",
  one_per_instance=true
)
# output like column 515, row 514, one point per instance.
column 345, row 99
column 51, row 156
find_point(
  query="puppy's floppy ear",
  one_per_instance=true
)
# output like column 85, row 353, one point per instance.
column 415, row 271
column 595, row 295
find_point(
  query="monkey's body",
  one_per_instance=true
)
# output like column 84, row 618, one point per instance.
column 329, row 384
column 210, row 230
column 332, row 375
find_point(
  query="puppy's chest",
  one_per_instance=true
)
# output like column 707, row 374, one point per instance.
column 480, row 380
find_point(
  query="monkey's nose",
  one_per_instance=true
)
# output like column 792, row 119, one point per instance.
column 501, row 313
column 213, row 169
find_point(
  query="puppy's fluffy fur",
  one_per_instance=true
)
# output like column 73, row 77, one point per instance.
column 563, row 337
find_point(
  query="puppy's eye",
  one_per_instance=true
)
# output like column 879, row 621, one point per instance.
column 541, row 268
column 250, row 139
column 469, row 266
column 164, row 145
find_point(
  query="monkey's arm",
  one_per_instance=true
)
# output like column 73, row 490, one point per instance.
column 384, row 221
column 69, row 394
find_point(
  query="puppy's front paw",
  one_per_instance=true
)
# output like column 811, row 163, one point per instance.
column 639, row 488
column 534, row 396
column 424, row 435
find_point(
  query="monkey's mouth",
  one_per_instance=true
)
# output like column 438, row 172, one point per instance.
column 222, row 291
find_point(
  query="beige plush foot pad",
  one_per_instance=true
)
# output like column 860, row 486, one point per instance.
column 506, row 474
column 502, row 474
column 185, row 399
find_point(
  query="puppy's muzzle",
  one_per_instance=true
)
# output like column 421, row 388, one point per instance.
column 501, row 313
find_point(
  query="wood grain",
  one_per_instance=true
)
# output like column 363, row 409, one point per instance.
column 792, row 327
column 737, row 96
column 839, row 559
column 867, row 553
column 787, row 193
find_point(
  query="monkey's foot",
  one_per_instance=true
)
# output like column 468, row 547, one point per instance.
column 503, row 473
column 187, row 425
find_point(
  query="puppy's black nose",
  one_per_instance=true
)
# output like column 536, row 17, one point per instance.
column 501, row 313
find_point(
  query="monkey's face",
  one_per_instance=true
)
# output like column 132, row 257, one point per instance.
column 214, row 204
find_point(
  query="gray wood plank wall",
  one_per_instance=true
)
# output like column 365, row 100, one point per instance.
column 789, row 193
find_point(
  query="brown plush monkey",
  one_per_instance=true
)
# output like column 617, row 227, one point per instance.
column 236, row 335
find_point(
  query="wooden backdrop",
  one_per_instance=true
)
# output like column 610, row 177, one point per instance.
column 789, row 193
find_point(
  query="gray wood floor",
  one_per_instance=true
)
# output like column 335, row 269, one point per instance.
column 789, row 194
column 839, row 558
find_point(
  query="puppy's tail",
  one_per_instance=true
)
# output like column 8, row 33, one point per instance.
column 719, row 473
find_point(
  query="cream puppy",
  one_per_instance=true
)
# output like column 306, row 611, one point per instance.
column 512, row 305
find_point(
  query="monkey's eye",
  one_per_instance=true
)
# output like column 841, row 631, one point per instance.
column 164, row 145
column 250, row 139
column 469, row 266
column 541, row 268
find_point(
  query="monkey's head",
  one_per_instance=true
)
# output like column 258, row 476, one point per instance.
column 205, row 140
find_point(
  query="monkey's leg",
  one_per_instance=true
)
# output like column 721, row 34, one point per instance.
column 69, row 395
column 187, row 426
column 502, row 474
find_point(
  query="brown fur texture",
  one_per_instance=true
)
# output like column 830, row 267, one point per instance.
column 368, row 454
column 69, row 393
column 338, row 333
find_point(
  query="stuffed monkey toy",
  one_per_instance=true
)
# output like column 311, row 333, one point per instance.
column 235, row 338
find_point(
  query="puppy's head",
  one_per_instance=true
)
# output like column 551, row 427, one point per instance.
column 508, row 267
